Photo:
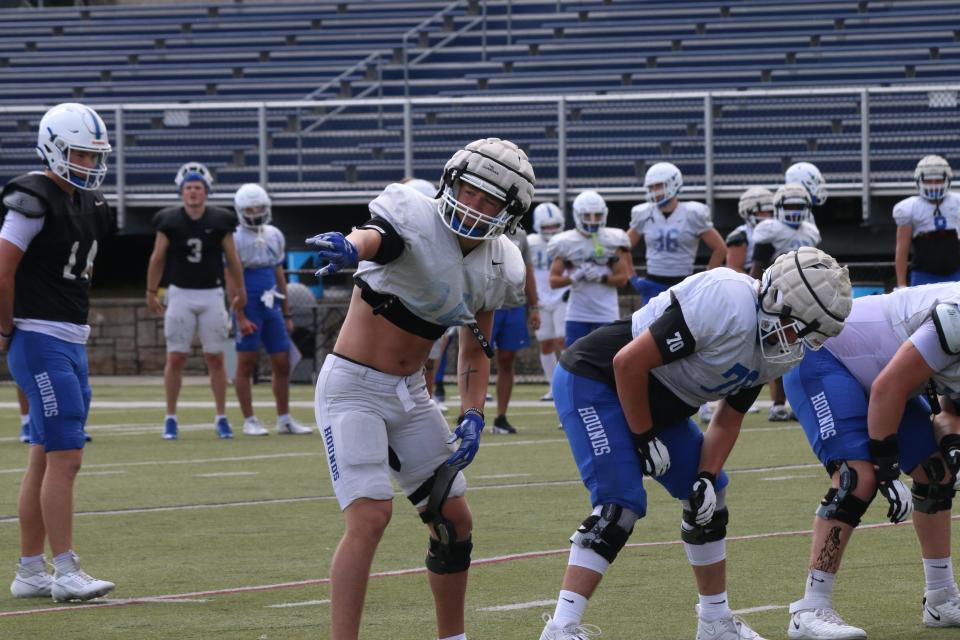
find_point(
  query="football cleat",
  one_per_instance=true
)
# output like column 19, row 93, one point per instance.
column 31, row 581
column 552, row 631
column 25, row 433
column 292, row 427
column 941, row 607
column 253, row 427
column 547, row 397
column 778, row 413
column 732, row 628
column 501, row 425
column 78, row 585
column 224, row 432
column 170, row 429
column 822, row 624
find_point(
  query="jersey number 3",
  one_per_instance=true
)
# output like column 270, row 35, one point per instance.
column 196, row 250
column 72, row 262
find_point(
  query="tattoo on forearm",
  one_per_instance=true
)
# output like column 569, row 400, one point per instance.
column 829, row 558
column 466, row 376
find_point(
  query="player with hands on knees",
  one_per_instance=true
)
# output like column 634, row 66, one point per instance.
column 422, row 264
column 862, row 406
column 626, row 393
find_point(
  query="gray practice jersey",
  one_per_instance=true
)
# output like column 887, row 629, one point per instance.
column 432, row 277
column 263, row 248
column 878, row 325
column 671, row 242
column 919, row 213
column 720, row 310
column 785, row 238
column 546, row 296
column 590, row 301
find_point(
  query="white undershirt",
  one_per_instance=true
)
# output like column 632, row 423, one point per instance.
column 20, row 230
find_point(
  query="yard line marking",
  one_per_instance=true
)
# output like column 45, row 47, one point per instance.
column 305, row 603
column 412, row 571
column 519, row 605
column 147, row 463
column 225, row 474
column 115, row 472
column 772, row 478
column 767, row 607
column 502, row 475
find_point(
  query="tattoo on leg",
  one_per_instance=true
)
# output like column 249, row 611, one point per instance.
column 829, row 558
column 466, row 377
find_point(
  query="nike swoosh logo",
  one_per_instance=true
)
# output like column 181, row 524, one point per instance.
column 495, row 263
column 932, row 614
column 937, row 566
column 571, row 601
column 816, row 579
column 721, row 602
column 796, row 625
column 98, row 203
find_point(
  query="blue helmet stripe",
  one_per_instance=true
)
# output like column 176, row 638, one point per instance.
column 96, row 123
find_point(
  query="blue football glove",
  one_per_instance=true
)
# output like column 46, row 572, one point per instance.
column 336, row 250
column 468, row 432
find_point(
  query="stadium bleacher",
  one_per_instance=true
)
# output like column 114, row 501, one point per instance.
column 294, row 50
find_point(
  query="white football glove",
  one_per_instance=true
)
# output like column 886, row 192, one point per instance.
column 654, row 457
column 580, row 273
column 703, row 498
column 900, row 499
column 595, row 272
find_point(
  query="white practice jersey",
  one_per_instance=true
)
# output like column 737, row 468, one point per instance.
column 671, row 242
column 720, row 309
column 546, row 296
column 262, row 248
column 746, row 231
column 590, row 301
column 919, row 213
column 432, row 277
column 785, row 238
column 878, row 325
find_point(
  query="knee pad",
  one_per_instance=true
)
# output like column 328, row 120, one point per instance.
column 713, row 531
column 449, row 557
column 607, row 531
column 840, row 504
column 933, row 497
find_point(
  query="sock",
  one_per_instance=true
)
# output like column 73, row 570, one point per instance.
column 65, row 562
column 549, row 362
column 819, row 589
column 714, row 607
column 219, row 418
column 28, row 560
column 570, row 608
column 171, row 417
column 938, row 573
column 459, row 636
column 24, row 419
column 285, row 418
column 250, row 417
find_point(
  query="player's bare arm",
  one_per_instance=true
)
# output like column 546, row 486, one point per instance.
column 906, row 372
column 559, row 279
column 632, row 366
column 158, row 260
column 713, row 240
column 473, row 365
column 10, row 256
column 622, row 269
column 902, row 253
column 719, row 438
column 235, row 269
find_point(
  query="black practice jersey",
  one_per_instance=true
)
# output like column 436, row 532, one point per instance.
column 53, row 278
column 195, row 256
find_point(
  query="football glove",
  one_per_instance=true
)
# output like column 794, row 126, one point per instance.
column 337, row 250
column 468, row 433
column 886, row 455
column 654, row 456
column 950, row 449
column 703, row 498
column 580, row 273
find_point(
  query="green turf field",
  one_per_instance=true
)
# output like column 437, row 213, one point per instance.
column 213, row 539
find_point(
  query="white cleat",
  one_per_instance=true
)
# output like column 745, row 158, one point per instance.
column 778, row 413
column 570, row 632
column 292, row 427
column 822, row 624
column 78, row 585
column 705, row 412
column 941, row 608
column 253, row 427
column 547, row 397
column 31, row 581
column 732, row 628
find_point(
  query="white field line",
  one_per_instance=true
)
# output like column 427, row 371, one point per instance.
column 226, row 474
column 497, row 476
column 93, row 604
column 775, row 478
column 158, row 463
column 766, row 607
column 519, row 605
column 305, row 603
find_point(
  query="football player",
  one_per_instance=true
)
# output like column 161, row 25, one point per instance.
column 196, row 240
column 929, row 223
column 625, row 395
column 808, row 175
column 423, row 265
column 860, row 401
column 593, row 260
column 54, row 222
column 548, row 222
column 790, row 228
column 261, row 247
column 756, row 204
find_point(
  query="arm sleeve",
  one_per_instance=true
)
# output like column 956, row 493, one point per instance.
column 391, row 244
column 672, row 335
column 19, row 230
column 737, row 237
column 762, row 254
column 742, row 400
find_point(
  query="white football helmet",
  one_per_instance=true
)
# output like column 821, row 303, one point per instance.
column 933, row 175
column 667, row 179
column 755, row 202
column 589, row 212
column 253, row 206
column 194, row 171
column 805, row 291
column 73, row 126
column 496, row 167
column 792, row 205
column 423, row 186
column 810, row 177
column 547, row 220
